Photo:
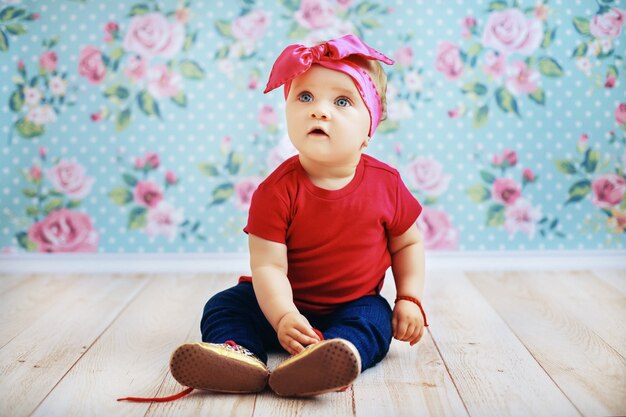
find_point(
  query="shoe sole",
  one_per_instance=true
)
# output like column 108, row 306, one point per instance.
column 324, row 367
column 207, row 367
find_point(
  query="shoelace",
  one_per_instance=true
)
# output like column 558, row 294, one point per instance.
column 185, row 392
column 231, row 344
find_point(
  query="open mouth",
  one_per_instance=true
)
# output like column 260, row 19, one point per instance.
column 318, row 132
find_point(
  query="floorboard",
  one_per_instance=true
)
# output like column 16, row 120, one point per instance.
column 500, row 344
column 543, row 314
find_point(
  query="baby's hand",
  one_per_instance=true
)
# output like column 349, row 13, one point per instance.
column 294, row 331
column 407, row 322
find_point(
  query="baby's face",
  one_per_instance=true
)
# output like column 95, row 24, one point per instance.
column 327, row 119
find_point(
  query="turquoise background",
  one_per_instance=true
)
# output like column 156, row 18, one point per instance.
column 210, row 137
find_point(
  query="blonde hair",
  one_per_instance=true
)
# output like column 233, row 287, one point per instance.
column 377, row 74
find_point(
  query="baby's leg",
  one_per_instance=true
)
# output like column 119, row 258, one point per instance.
column 234, row 314
column 366, row 323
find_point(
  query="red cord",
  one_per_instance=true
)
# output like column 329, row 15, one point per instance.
column 415, row 301
column 157, row 400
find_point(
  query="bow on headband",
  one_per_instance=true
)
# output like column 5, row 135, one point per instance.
column 295, row 60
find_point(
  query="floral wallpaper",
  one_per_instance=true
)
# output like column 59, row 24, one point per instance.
column 141, row 127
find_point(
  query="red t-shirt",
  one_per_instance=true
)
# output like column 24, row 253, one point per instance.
column 336, row 239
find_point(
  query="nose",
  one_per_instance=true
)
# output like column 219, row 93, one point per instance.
column 320, row 112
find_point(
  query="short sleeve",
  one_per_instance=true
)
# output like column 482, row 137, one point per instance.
column 407, row 210
column 268, row 217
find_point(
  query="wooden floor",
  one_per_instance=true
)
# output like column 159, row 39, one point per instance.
column 500, row 344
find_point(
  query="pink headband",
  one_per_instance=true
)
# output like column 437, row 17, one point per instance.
column 295, row 60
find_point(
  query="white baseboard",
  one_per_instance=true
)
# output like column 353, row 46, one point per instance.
column 238, row 263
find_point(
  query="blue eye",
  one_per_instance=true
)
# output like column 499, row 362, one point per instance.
column 305, row 97
column 343, row 102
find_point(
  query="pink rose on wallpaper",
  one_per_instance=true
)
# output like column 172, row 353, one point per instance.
column 64, row 230
column 251, row 26
column 427, row 176
column 448, row 60
column 315, row 14
column 152, row 35
column 607, row 25
column 505, row 191
column 48, row 61
column 495, row 64
column 437, row 230
column 163, row 220
column 345, row 3
column 508, row 157
column 280, row 153
column 521, row 217
column 136, row 68
column 620, row 114
column 243, row 192
column 268, row 117
column 509, row 31
column 90, row 64
column 163, row 82
column 521, row 80
column 608, row 190
column 147, row 194
column 69, row 178
column 404, row 56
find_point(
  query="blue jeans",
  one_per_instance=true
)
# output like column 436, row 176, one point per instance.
column 234, row 314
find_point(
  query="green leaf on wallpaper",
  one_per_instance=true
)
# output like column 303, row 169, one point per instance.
column 180, row 99
column 25, row 242
column 550, row 68
column 538, row 96
column 11, row 13
column 580, row 50
column 122, row 120
column 208, row 169
column 234, row 162
column 364, row 8
column 370, row 23
column 223, row 28
column 506, row 101
column 190, row 40
column 147, row 104
column 29, row 192
column 52, row 205
column 481, row 115
column 495, row 215
column 137, row 218
column 578, row 191
column 73, row 204
column 497, row 6
column 15, row 29
column 590, row 162
column 487, row 176
column 475, row 87
column 291, row 5
column 582, row 25
column 117, row 91
column 16, row 101
column 612, row 71
column 478, row 193
column 222, row 193
column 221, row 53
column 139, row 9
column 129, row 179
column 121, row 196
column 298, row 32
column 548, row 38
column 190, row 69
column 4, row 41
column 388, row 126
column 28, row 130
column 565, row 166
column 32, row 211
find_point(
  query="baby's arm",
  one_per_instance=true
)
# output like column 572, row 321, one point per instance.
column 407, row 264
column 268, row 262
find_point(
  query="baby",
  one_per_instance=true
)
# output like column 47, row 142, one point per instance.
column 323, row 228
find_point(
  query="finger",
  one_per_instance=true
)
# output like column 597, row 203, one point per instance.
column 401, row 332
column 296, row 346
column 394, row 327
column 418, row 337
column 306, row 329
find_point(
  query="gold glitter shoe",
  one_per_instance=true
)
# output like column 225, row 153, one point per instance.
column 327, row 366
column 225, row 367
